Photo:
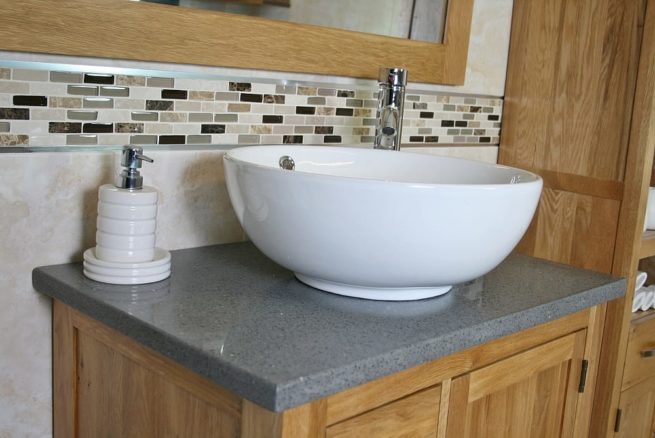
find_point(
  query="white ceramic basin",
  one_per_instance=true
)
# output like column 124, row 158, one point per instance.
column 378, row 224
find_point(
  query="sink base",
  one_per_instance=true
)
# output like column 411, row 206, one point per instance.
column 374, row 293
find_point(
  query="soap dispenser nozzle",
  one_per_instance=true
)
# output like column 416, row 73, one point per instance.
column 132, row 159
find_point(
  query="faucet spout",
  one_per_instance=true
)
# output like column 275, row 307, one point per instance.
column 391, row 100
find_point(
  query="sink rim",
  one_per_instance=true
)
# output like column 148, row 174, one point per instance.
column 533, row 177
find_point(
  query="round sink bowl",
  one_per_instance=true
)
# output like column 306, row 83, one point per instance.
column 377, row 224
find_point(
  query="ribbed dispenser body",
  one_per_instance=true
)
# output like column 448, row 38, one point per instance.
column 127, row 221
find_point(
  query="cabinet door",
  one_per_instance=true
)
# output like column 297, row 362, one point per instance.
column 637, row 411
column 531, row 394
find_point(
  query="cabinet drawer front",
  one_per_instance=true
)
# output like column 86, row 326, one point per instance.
column 640, row 357
column 414, row 416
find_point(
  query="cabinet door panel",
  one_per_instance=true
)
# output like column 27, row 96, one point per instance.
column 532, row 394
column 415, row 416
column 637, row 411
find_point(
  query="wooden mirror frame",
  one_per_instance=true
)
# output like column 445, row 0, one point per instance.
column 151, row 32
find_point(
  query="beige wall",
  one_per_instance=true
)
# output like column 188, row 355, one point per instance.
column 47, row 216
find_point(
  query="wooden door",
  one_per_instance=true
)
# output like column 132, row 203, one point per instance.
column 637, row 406
column 531, row 394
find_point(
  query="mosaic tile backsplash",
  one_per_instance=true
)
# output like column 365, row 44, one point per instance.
column 53, row 108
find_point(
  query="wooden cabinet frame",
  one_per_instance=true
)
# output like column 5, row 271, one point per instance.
column 151, row 32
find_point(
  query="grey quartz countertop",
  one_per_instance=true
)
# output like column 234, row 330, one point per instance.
column 230, row 314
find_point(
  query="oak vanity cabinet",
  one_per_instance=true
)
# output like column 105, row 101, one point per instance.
column 531, row 383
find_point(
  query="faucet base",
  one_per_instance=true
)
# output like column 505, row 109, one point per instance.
column 374, row 293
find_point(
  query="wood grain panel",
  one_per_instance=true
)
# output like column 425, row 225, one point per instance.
column 118, row 397
column 637, row 174
column 415, row 416
column 575, row 229
column 531, row 394
column 64, row 363
column 641, row 337
column 570, row 85
column 151, row 32
column 637, row 406
column 305, row 421
column 351, row 402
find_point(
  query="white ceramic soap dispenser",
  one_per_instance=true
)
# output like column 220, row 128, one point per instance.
column 125, row 251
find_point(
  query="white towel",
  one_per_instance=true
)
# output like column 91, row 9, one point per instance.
column 640, row 280
column 644, row 299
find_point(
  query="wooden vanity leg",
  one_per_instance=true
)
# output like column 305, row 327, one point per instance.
column 63, row 368
column 306, row 421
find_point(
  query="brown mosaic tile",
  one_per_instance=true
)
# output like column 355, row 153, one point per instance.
column 131, row 128
column 4, row 126
column 344, row 112
column 13, row 139
column 133, row 81
column 323, row 129
column 363, row 112
column 325, row 111
column 159, row 105
column 227, row 97
column 5, row 73
column 274, row 98
column 307, row 91
column 201, row 95
column 65, row 127
column 238, row 107
column 315, row 100
column 261, row 129
column 173, row 117
column 426, row 115
column 292, row 139
column 240, row 86
column 432, row 139
column 345, row 93
column 14, row 113
column 361, row 131
column 416, row 138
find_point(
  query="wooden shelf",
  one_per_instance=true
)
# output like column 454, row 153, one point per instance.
column 647, row 248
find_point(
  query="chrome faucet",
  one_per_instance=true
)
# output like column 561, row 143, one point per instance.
column 391, row 100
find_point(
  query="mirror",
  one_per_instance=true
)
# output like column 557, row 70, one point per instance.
column 122, row 29
column 421, row 20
